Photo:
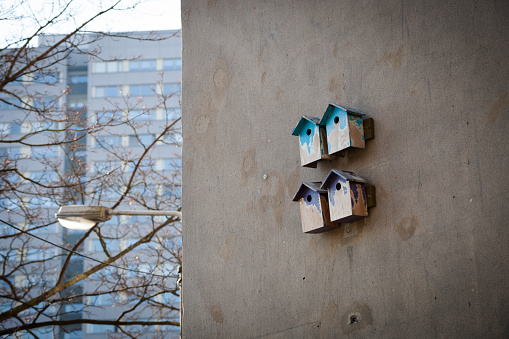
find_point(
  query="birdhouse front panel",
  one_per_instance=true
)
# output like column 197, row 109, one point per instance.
column 337, row 128
column 314, row 208
column 347, row 196
column 310, row 140
column 339, row 198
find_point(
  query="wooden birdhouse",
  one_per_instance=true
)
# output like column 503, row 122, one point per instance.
column 344, row 128
column 314, row 209
column 347, row 196
column 311, row 141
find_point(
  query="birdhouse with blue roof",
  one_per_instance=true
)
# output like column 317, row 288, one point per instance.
column 344, row 128
column 346, row 195
column 314, row 209
column 312, row 142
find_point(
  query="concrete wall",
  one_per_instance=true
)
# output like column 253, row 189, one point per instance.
column 432, row 258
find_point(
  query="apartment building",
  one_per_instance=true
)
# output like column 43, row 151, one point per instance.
column 132, row 85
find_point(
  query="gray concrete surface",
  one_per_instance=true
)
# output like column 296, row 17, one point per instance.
column 431, row 259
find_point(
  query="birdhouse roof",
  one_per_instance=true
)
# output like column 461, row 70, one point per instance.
column 343, row 174
column 314, row 186
column 347, row 109
column 302, row 121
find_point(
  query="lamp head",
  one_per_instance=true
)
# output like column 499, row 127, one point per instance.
column 80, row 217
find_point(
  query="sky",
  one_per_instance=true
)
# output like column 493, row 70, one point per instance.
column 148, row 15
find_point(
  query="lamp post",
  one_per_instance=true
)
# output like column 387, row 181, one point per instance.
column 80, row 217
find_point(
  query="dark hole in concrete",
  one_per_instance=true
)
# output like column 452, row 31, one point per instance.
column 353, row 319
column 338, row 186
column 308, row 132
column 304, row 278
column 309, row 198
column 336, row 120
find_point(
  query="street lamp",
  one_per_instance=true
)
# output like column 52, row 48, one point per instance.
column 80, row 217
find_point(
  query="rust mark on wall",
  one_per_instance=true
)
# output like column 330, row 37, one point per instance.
column 499, row 106
column 248, row 165
column 335, row 88
column 217, row 313
column 356, row 317
column 278, row 93
column 272, row 202
column 394, row 58
column 335, row 51
column 263, row 77
column 229, row 246
column 407, row 227
column 292, row 181
column 202, row 124
column 329, row 314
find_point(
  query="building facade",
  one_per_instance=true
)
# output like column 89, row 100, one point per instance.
column 132, row 85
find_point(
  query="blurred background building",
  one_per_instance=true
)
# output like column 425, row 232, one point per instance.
column 127, row 79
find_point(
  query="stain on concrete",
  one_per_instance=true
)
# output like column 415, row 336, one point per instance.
column 278, row 93
column 248, row 165
column 335, row 51
column 202, row 123
column 356, row 317
column 263, row 76
column 324, row 246
column 499, row 106
column 335, row 87
column 205, row 117
column 217, row 313
column 349, row 250
column 260, row 54
column 221, row 78
column 394, row 58
column 407, row 227
column 229, row 246
column 274, row 202
column 293, row 182
column 329, row 314
column 211, row 3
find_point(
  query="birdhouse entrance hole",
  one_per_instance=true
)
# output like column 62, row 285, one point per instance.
column 336, row 120
column 338, row 186
column 308, row 132
column 309, row 198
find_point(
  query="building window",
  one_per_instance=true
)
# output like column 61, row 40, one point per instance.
column 112, row 245
column 170, row 89
column 94, row 328
column 106, row 116
column 138, row 115
column 44, row 176
column 11, row 152
column 108, row 91
column 174, row 113
column 47, row 78
column 108, row 140
column 9, row 103
column 108, row 67
column 172, row 64
column 142, row 65
column 144, row 139
column 46, row 102
column 78, row 79
column 45, row 151
column 141, row 90
column 73, row 335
